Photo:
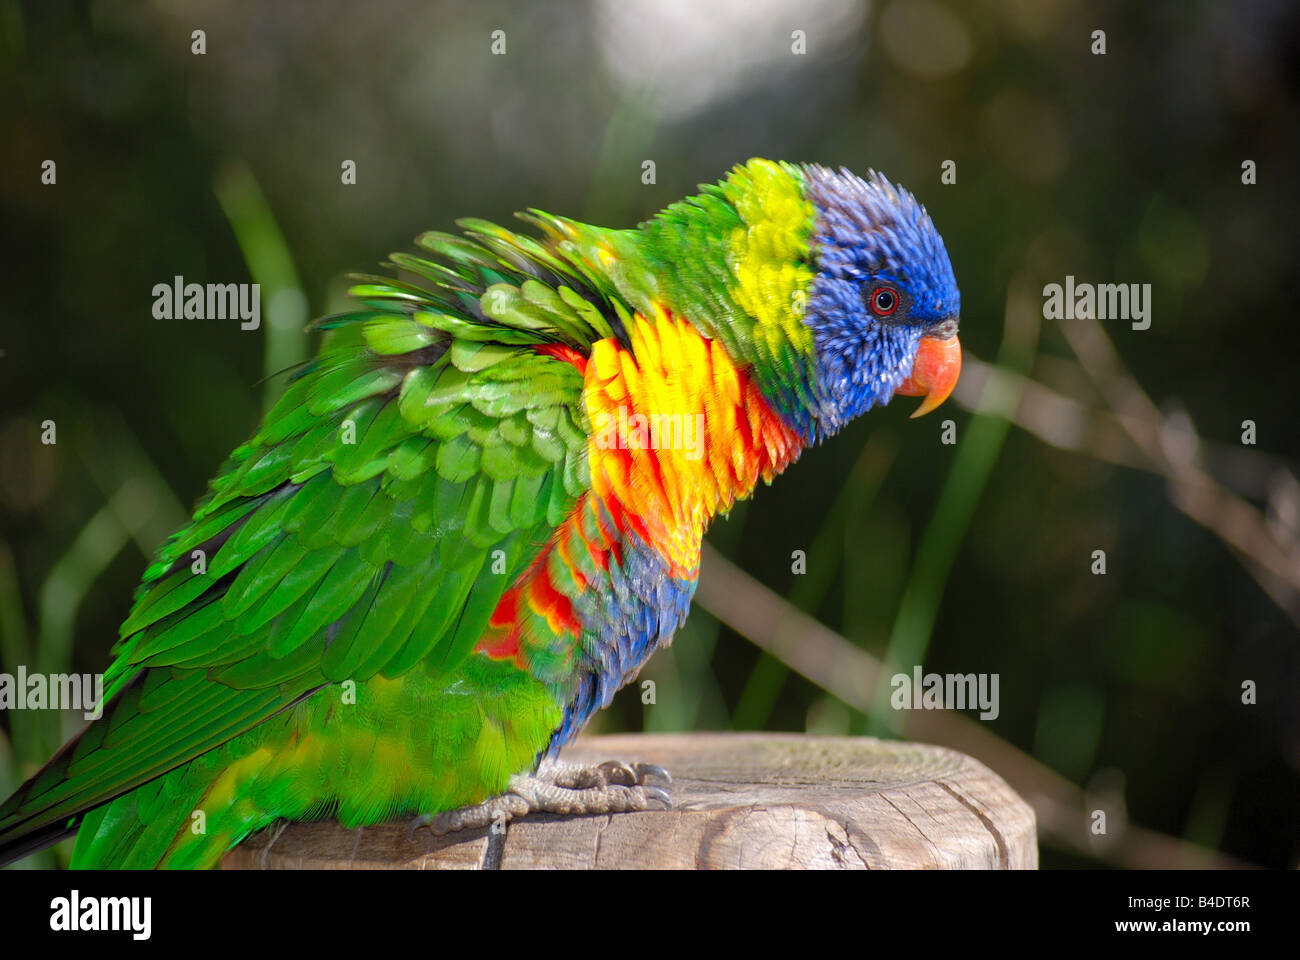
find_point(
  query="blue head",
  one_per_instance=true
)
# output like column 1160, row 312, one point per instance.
column 884, row 304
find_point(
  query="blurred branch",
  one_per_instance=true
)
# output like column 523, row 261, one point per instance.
column 825, row 658
column 1172, row 450
column 1052, row 417
column 1069, row 423
column 1133, row 432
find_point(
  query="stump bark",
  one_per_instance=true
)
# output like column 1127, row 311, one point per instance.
column 740, row 801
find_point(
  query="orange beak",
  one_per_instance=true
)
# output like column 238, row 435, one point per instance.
column 934, row 372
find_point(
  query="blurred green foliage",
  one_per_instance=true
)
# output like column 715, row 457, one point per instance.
column 225, row 167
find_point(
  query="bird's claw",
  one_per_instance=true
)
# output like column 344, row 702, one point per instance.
column 560, row 788
column 618, row 773
column 660, row 794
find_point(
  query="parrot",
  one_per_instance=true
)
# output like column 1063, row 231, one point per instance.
column 453, row 539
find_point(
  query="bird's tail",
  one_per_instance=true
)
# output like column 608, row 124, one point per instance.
column 48, row 807
column 28, row 825
column 24, row 843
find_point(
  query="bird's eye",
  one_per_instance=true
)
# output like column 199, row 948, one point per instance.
column 883, row 301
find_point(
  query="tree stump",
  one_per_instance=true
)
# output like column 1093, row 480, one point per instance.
column 739, row 801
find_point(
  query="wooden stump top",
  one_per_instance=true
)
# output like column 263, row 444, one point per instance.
column 740, row 800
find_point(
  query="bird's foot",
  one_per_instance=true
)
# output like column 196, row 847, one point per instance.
column 564, row 788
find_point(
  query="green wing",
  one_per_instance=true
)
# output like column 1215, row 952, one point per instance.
column 365, row 527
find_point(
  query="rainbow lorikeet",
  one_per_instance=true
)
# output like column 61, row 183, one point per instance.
column 477, row 513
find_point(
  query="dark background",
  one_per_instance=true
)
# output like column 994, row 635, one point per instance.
column 1123, row 167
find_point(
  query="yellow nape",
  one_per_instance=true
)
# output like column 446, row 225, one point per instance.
column 767, row 255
